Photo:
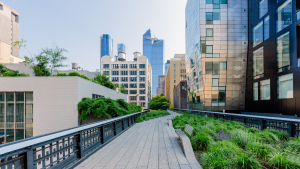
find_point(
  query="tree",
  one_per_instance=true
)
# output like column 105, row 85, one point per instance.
column 159, row 102
column 123, row 89
column 104, row 81
column 55, row 56
column 21, row 44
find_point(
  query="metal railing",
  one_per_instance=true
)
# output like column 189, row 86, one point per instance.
column 291, row 126
column 66, row 148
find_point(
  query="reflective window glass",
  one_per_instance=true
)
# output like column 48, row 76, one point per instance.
column 209, row 32
column 283, row 52
column 284, row 15
column 263, row 8
column 258, row 62
column 285, row 86
column 255, row 91
column 258, row 34
column 209, row 18
column 266, row 28
column 265, row 93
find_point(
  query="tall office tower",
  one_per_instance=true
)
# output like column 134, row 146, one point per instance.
column 274, row 57
column 161, row 85
column 9, row 33
column 216, row 53
column 121, row 48
column 175, row 74
column 106, row 45
column 153, row 48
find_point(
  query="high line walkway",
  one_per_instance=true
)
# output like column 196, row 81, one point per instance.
column 151, row 144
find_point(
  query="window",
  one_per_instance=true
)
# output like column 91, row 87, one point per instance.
column 194, row 74
column 222, row 96
column 215, row 82
column 284, row 15
column 142, row 66
column 265, row 93
column 174, row 65
column 133, row 79
column 263, row 8
column 133, row 73
column 174, row 81
column 132, row 92
column 132, row 97
column 209, row 51
column 106, row 66
column 255, row 91
column 174, row 70
column 215, row 67
column 133, row 85
column 125, row 85
column 124, row 66
column 114, row 79
column 115, row 72
column 285, row 86
column 142, row 85
column 283, row 52
column 124, row 79
column 209, row 18
column 258, row 35
column 106, row 73
column 124, row 72
column 133, row 66
column 209, row 34
column 182, row 65
column 174, row 76
column 258, row 62
column 142, row 97
column 142, row 91
column 266, row 27
column 115, row 66
column 142, row 79
column 143, row 104
column 142, row 73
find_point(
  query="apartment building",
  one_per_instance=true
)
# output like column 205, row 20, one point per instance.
column 175, row 74
column 161, row 85
column 135, row 75
column 9, row 33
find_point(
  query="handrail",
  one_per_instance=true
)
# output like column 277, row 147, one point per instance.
column 291, row 126
column 73, row 144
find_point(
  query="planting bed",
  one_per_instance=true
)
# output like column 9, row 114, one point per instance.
column 152, row 115
column 229, row 144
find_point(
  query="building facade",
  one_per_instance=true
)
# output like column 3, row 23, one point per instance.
column 121, row 48
column 175, row 74
column 153, row 48
column 161, row 85
column 216, row 54
column 135, row 75
column 9, row 33
column 167, row 65
column 180, row 95
column 32, row 106
column 273, row 76
column 106, row 45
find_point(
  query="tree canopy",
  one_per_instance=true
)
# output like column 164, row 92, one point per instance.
column 159, row 102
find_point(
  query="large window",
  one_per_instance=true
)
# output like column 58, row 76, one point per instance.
column 255, row 91
column 124, row 72
column 105, row 66
column 285, row 86
column 258, row 62
column 132, row 92
column 114, row 72
column 283, row 52
column 263, row 8
column 209, row 34
column 114, row 79
column 142, row 66
column 133, row 73
column 133, row 79
column 142, row 79
column 258, row 35
column 209, row 18
column 133, row 66
column 266, row 27
column 124, row 66
column 215, row 67
column 142, row 73
column 115, row 66
column 284, row 15
column 265, row 93
column 124, row 79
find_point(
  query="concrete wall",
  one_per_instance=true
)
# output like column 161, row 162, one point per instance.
column 55, row 99
column 82, row 72
column 4, row 51
column 21, row 67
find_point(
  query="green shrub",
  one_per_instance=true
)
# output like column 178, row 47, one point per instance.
column 61, row 74
column 159, row 102
column 10, row 73
column 201, row 141
column 151, row 115
column 282, row 160
column 261, row 150
column 294, row 145
column 248, row 162
column 253, row 130
column 281, row 135
column 267, row 137
column 79, row 75
column 241, row 137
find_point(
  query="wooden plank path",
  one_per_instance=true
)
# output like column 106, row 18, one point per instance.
column 151, row 144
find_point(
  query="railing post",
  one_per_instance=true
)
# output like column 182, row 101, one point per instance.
column 29, row 159
column 230, row 118
column 79, row 145
column 245, row 120
column 123, row 127
column 262, row 124
column 102, row 135
column 115, row 128
column 292, row 129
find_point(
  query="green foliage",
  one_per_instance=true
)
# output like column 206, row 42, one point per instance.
column 266, row 137
column 159, row 102
column 10, row 73
column 281, row 135
column 241, row 137
column 61, row 74
column 79, row 75
column 261, row 150
column 105, row 107
column 122, row 89
column 294, row 145
column 151, row 115
column 202, row 140
column 282, row 160
column 55, row 57
column 104, row 81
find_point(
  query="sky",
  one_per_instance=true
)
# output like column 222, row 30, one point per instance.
column 77, row 26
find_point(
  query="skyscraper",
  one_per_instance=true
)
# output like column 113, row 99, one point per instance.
column 106, row 45
column 121, row 48
column 216, row 54
column 153, row 48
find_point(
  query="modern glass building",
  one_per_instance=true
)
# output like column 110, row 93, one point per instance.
column 153, row 48
column 106, row 45
column 121, row 48
column 216, row 54
column 273, row 74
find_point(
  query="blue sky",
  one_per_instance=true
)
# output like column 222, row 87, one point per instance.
column 77, row 26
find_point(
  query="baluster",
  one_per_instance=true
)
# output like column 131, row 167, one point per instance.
column 29, row 159
column 51, row 158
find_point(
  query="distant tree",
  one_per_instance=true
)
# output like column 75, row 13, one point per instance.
column 55, row 56
column 104, row 81
column 159, row 102
column 123, row 89
column 21, row 44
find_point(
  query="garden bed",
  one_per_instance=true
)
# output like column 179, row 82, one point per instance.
column 229, row 144
column 152, row 115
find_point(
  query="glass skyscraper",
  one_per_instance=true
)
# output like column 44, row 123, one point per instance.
column 216, row 54
column 106, row 45
column 121, row 47
column 153, row 48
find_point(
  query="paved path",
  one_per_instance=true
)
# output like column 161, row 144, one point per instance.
column 150, row 144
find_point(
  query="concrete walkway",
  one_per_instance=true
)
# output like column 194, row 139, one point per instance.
column 150, row 144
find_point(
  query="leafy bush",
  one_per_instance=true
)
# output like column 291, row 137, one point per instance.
column 281, row 135
column 159, row 102
column 241, row 137
column 267, row 137
column 151, row 115
column 10, row 73
column 294, row 145
column 282, row 160
column 201, row 141
column 105, row 107
column 61, row 74
column 104, row 81
column 261, row 150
